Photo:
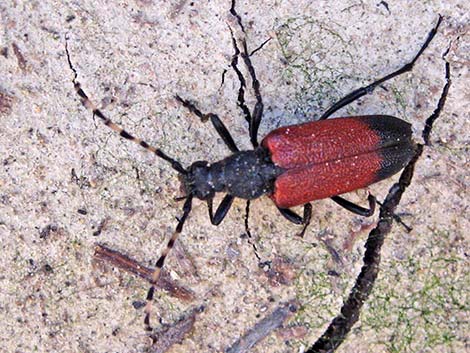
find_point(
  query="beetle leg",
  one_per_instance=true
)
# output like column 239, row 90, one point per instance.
column 253, row 118
column 221, row 211
column 290, row 215
column 247, row 229
column 351, row 97
column 307, row 218
column 295, row 218
column 352, row 207
column 216, row 122
column 247, row 216
column 440, row 105
column 259, row 107
column 241, row 78
column 398, row 219
column 161, row 261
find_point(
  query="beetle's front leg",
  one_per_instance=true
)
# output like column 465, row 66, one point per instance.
column 216, row 122
column 221, row 211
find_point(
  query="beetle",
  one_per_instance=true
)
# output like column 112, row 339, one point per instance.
column 293, row 165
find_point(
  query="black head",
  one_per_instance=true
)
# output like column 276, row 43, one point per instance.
column 198, row 181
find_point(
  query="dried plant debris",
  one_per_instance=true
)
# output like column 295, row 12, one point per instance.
column 264, row 327
column 6, row 103
column 280, row 272
column 169, row 335
column 115, row 258
column 22, row 63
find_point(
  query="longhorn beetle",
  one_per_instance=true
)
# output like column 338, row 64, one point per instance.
column 293, row 164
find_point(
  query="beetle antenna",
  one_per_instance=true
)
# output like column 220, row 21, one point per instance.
column 161, row 261
column 113, row 126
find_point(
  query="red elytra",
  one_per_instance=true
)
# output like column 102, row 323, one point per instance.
column 331, row 157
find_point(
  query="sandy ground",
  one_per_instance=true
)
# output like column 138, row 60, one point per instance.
column 67, row 182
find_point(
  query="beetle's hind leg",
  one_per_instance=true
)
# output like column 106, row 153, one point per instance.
column 361, row 211
column 307, row 216
column 356, row 94
column 356, row 209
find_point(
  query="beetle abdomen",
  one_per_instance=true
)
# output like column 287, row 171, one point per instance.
column 331, row 157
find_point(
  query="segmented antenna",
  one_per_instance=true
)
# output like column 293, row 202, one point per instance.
column 123, row 133
column 161, row 261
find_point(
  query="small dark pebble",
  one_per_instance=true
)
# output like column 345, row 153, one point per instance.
column 47, row 230
column 137, row 304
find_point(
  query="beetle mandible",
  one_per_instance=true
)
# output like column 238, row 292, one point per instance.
column 293, row 164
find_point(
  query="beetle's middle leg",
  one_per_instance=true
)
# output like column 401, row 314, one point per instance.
column 354, row 95
column 307, row 216
column 295, row 218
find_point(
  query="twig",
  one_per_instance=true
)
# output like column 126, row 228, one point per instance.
column 263, row 328
column 342, row 324
column 127, row 264
column 174, row 334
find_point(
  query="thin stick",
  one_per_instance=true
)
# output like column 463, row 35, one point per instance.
column 123, row 262
column 341, row 325
column 264, row 328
